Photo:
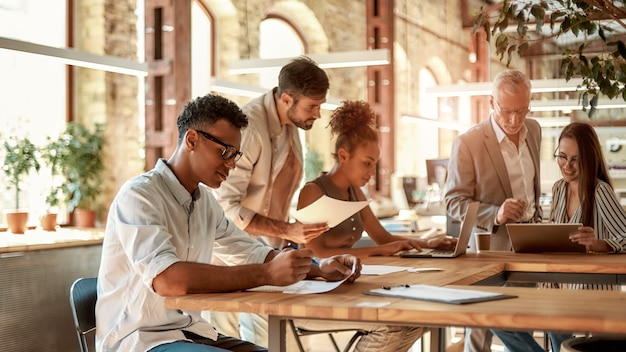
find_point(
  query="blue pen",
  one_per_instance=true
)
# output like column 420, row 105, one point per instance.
column 293, row 246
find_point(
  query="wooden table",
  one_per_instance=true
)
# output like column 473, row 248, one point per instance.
column 538, row 309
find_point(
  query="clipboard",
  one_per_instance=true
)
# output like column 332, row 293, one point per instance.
column 438, row 294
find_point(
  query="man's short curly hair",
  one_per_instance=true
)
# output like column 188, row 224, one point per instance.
column 206, row 111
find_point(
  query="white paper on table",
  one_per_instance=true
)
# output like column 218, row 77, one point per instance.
column 382, row 269
column 328, row 210
column 304, row 286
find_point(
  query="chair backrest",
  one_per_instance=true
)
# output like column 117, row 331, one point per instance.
column 83, row 295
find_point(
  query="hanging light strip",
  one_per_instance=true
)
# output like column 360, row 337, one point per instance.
column 331, row 60
column 219, row 85
column 485, row 88
column 70, row 56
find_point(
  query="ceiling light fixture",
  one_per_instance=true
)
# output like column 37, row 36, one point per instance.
column 73, row 57
column 331, row 60
column 485, row 88
column 251, row 91
column 574, row 104
column 424, row 121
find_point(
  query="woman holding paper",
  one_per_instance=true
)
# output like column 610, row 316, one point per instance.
column 356, row 154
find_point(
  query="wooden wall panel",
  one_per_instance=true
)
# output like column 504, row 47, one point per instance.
column 380, row 90
column 168, row 85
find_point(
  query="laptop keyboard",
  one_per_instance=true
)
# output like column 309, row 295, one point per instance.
column 441, row 251
column 431, row 251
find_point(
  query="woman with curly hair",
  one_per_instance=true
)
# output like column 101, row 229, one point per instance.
column 356, row 154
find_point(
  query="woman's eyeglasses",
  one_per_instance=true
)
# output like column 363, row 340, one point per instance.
column 229, row 151
column 562, row 159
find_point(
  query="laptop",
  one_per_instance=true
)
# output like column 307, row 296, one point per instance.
column 544, row 237
column 469, row 220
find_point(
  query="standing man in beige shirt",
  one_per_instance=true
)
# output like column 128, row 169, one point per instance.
column 258, row 192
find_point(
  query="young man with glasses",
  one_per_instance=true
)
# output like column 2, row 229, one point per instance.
column 497, row 163
column 164, row 229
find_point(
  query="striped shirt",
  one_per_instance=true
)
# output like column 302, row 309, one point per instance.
column 609, row 217
column 609, row 224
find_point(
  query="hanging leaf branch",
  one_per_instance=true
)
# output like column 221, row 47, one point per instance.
column 600, row 60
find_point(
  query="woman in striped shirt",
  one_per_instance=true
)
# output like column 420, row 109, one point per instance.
column 584, row 195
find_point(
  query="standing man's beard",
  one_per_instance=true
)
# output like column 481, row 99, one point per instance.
column 300, row 124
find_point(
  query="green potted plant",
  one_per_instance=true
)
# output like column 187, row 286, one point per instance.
column 80, row 158
column 51, row 155
column 313, row 164
column 20, row 158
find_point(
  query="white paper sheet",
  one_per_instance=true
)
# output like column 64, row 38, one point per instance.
column 304, row 286
column 382, row 269
column 329, row 210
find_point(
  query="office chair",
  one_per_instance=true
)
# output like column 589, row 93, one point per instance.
column 83, row 295
column 299, row 332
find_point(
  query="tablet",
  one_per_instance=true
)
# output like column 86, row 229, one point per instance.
column 544, row 237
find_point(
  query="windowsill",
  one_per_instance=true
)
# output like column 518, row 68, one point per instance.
column 37, row 239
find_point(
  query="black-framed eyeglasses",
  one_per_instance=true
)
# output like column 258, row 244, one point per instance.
column 508, row 112
column 229, row 151
column 562, row 159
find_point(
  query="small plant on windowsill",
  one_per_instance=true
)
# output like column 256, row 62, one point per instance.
column 81, row 163
column 51, row 154
column 20, row 158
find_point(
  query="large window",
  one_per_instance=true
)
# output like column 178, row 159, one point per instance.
column 201, row 41
column 32, row 88
column 289, row 45
column 38, row 98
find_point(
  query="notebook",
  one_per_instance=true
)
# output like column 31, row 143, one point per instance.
column 469, row 220
column 543, row 237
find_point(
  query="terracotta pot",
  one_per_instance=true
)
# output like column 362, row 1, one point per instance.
column 85, row 218
column 16, row 221
column 48, row 222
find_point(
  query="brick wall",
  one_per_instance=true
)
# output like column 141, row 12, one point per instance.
column 108, row 27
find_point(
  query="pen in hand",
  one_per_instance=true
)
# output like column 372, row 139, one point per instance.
column 293, row 246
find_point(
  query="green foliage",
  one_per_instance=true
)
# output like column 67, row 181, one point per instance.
column 603, row 73
column 51, row 155
column 20, row 157
column 313, row 165
column 78, row 155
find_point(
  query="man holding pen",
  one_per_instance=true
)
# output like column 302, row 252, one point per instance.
column 164, row 229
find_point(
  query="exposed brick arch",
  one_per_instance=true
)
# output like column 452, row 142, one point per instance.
column 226, row 32
column 438, row 67
column 305, row 22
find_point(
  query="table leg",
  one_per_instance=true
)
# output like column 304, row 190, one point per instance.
column 437, row 339
column 277, row 333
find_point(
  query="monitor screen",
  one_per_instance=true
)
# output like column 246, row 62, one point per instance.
column 436, row 171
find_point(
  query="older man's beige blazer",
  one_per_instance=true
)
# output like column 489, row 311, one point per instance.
column 476, row 171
